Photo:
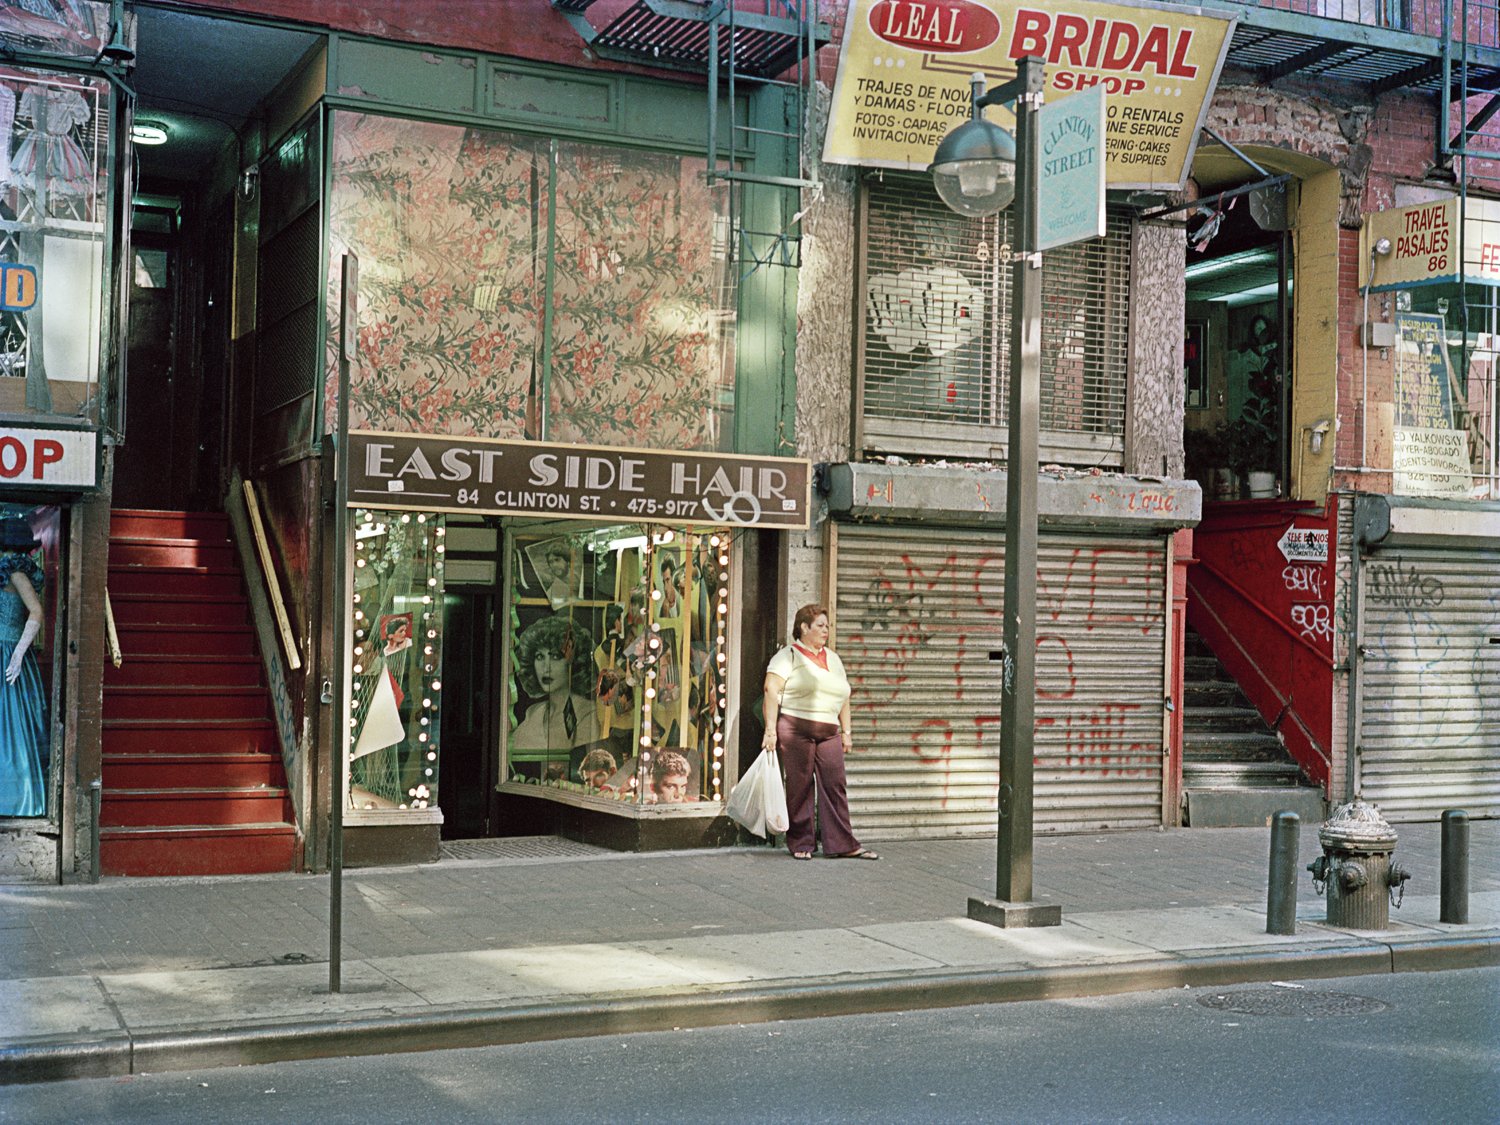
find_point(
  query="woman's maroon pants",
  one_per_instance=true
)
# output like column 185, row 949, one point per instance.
column 814, row 751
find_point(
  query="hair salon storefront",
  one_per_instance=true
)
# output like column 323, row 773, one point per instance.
column 563, row 398
column 570, row 609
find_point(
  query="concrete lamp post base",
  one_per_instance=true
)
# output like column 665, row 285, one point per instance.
column 1015, row 915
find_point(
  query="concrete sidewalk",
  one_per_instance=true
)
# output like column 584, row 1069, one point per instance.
column 539, row 939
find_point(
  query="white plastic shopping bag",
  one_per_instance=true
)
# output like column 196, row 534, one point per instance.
column 758, row 800
column 773, row 795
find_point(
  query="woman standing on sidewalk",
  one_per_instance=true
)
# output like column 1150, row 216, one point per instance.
column 807, row 714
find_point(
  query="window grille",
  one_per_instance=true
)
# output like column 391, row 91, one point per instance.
column 934, row 363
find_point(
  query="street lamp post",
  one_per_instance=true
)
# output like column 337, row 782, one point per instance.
column 977, row 170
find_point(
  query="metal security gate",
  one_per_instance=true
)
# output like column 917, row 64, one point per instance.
column 917, row 616
column 1430, row 719
column 931, row 347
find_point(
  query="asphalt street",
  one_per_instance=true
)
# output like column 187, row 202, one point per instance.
column 1388, row 1048
column 143, row 976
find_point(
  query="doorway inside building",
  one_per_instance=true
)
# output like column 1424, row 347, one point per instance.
column 205, row 86
column 467, row 761
column 154, row 466
column 469, row 749
column 1237, row 347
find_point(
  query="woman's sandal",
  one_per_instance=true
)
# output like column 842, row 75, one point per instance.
column 860, row 853
column 802, row 855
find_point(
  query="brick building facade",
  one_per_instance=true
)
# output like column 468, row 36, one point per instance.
column 559, row 240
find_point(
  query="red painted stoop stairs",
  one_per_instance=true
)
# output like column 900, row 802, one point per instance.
column 193, row 782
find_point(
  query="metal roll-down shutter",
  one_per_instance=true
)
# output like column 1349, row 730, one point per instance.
column 917, row 615
column 1430, row 714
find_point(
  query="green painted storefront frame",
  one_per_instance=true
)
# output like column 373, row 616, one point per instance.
column 632, row 111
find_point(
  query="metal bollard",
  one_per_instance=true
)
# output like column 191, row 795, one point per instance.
column 96, row 804
column 1281, row 883
column 1455, row 871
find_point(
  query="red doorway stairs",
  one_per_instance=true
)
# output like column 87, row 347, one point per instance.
column 193, row 780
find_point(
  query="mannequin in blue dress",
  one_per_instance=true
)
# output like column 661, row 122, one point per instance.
column 23, row 699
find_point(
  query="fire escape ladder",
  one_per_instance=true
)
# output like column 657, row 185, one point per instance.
column 748, row 50
column 1465, row 80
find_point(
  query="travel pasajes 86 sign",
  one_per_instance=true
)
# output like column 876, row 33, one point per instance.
column 904, row 69
column 424, row 472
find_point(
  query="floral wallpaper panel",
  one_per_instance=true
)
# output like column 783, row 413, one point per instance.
column 451, row 227
column 445, row 222
column 641, row 352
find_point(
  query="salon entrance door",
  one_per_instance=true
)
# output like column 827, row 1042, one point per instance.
column 467, row 764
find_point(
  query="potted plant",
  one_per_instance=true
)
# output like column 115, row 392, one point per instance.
column 1249, row 451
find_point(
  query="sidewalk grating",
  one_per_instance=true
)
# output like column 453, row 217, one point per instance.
column 519, row 847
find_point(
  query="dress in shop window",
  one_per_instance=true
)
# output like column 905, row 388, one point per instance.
column 50, row 148
column 23, row 698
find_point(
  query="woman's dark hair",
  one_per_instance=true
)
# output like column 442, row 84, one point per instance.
column 15, row 535
column 557, row 636
column 805, row 617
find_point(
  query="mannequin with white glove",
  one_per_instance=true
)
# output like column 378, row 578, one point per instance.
column 22, row 585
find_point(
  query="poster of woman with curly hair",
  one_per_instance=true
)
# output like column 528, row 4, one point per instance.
column 554, row 665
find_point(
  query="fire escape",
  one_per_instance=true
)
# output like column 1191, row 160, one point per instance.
column 744, row 48
column 1446, row 49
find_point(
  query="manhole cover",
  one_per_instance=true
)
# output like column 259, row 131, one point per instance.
column 1291, row 1002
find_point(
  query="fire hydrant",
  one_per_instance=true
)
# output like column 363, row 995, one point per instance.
column 1356, row 866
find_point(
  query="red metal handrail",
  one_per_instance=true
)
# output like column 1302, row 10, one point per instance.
column 1323, row 657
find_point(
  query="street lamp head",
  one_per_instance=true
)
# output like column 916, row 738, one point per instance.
column 974, row 169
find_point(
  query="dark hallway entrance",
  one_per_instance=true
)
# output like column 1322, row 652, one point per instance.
column 204, row 85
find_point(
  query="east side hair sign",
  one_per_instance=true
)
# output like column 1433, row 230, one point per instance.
column 904, row 68
column 428, row 472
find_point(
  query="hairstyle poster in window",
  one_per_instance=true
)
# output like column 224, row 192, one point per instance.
column 556, row 684
column 670, row 586
column 558, row 567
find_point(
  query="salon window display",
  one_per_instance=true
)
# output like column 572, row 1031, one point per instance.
column 396, row 650
column 571, row 691
column 23, row 697
column 618, row 692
